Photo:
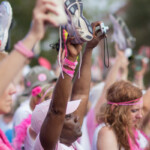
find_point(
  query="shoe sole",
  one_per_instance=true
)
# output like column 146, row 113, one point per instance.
column 117, row 28
column 130, row 39
column 71, row 7
column 5, row 38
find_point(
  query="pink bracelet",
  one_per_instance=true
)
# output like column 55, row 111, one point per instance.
column 20, row 47
column 68, row 72
column 70, row 64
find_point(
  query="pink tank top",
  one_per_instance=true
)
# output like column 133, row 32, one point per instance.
column 91, row 124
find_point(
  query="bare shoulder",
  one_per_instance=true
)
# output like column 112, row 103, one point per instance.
column 107, row 139
column 106, row 130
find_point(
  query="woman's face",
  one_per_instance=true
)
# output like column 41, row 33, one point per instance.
column 71, row 130
column 6, row 99
column 136, row 113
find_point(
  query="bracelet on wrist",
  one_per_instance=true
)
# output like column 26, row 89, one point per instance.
column 71, row 65
column 68, row 72
column 21, row 48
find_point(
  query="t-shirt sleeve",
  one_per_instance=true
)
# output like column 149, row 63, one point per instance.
column 37, row 144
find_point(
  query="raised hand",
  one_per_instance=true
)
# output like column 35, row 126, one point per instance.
column 41, row 17
column 98, row 36
column 73, row 50
column 120, row 55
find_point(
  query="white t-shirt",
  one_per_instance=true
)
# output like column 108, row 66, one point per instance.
column 29, row 142
column 142, row 139
column 96, row 92
column 22, row 112
column 59, row 146
column 5, row 126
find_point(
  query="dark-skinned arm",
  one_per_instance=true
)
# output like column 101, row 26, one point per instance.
column 53, row 123
column 81, row 85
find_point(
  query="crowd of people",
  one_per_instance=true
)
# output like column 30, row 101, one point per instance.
column 73, row 111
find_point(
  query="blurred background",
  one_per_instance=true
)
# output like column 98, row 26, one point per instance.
column 136, row 14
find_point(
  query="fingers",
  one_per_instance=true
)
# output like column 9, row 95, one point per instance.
column 45, row 8
column 94, row 25
column 49, row 20
column 73, row 49
column 78, row 47
column 48, row 8
column 41, row 2
column 102, row 36
column 41, row 13
column 69, row 39
column 43, row 18
column 49, row 2
column 97, row 32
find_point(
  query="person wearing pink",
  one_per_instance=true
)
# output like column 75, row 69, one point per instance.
column 11, row 64
column 5, row 107
column 119, row 119
column 39, row 115
column 91, row 123
column 57, row 128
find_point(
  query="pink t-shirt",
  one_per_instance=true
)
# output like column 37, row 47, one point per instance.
column 91, row 124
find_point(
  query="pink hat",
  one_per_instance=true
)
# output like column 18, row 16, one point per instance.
column 41, row 110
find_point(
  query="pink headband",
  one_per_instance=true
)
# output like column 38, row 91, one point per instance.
column 132, row 102
column 45, row 94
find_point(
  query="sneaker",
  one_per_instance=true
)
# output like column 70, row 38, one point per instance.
column 62, row 18
column 129, row 38
column 122, row 35
column 78, row 26
column 5, row 22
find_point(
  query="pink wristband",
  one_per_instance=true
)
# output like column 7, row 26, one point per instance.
column 67, row 61
column 20, row 47
column 70, row 64
column 68, row 72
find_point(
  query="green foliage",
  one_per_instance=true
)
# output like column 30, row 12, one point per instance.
column 138, row 19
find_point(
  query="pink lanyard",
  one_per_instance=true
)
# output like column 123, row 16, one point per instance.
column 4, row 140
column 133, row 146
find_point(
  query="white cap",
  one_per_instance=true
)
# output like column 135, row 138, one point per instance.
column 41, row 110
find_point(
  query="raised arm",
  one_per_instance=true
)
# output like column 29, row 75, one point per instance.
column 15, row 60
column 53, row 123
column 81, row 85
column 112, row 76
column 139, row 75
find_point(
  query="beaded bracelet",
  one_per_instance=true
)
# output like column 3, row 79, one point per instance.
column 20, row 47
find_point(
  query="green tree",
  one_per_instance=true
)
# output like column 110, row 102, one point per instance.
column 138, row 19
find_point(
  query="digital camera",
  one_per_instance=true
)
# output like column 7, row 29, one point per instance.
column 104, row 28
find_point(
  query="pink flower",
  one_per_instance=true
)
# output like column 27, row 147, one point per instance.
column 36, row 91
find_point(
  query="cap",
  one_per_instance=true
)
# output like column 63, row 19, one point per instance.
column 37, row 76
column 41, row 110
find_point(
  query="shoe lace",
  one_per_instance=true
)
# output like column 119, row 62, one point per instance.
column 106, row 51
column 60, row 52
column 66, row 53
